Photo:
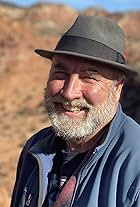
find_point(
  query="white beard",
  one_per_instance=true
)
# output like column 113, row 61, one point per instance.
column 79, row 128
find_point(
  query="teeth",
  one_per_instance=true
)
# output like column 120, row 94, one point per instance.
column 72, row 108
column 75, row 109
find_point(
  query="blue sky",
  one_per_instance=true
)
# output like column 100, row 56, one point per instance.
column 110, row 5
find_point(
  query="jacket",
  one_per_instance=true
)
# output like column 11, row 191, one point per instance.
column 110, row 177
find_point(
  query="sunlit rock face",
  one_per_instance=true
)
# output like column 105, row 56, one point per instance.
column 23, row 74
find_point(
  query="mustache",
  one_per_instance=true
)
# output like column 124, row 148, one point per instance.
column 59, row 99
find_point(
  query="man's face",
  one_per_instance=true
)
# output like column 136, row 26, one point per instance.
column 81, row 97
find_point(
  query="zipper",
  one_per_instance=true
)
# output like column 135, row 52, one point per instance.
column 79, row 176
column 75, row 189
column 40, row 179
column 28, row 202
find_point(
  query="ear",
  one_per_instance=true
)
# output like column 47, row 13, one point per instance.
column 118, row 89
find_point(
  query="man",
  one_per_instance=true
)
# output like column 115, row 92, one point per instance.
column 90, row 155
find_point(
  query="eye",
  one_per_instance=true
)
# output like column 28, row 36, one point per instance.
column 90, row 76
column 60, row 72
column 57, row 72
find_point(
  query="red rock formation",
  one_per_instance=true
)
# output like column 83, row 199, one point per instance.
column 23, row 74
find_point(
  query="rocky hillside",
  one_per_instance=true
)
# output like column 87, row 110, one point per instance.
column 23, row 74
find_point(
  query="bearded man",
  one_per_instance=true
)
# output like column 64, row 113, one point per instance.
column 89, row 157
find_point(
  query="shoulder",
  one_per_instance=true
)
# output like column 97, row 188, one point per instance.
column 37, row 137
column 130, row 135
column 131, row 128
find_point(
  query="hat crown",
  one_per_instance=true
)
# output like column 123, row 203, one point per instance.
column 95, row 38
column 99, row 29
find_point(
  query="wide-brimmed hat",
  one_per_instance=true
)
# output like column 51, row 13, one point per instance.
column 95, row 38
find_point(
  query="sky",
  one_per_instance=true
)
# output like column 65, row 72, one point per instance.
column 110, row 5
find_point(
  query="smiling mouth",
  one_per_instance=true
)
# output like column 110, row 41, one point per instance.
column 70, row 108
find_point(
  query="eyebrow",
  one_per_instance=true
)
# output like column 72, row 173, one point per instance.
column 91, row 70
column 59, row 65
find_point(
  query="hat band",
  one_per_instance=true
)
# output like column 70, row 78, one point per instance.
column 88, row 47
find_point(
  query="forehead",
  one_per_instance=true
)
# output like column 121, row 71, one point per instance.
column 69, row 62
column 72, row 59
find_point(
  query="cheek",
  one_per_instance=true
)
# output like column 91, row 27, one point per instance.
column 54, row 86
column 95, row 96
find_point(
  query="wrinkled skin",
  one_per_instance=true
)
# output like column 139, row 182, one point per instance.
column 84, row 96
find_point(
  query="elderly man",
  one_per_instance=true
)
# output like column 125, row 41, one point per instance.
column 89, row 157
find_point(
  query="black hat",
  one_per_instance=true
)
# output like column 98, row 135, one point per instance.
column 96, row 38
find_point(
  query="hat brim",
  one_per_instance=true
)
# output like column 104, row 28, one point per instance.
column 127, row 69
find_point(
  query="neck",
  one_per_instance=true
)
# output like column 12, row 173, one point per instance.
column 89, row 143
column 92, row 141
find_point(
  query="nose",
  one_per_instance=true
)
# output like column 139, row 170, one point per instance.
column 72, row 88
